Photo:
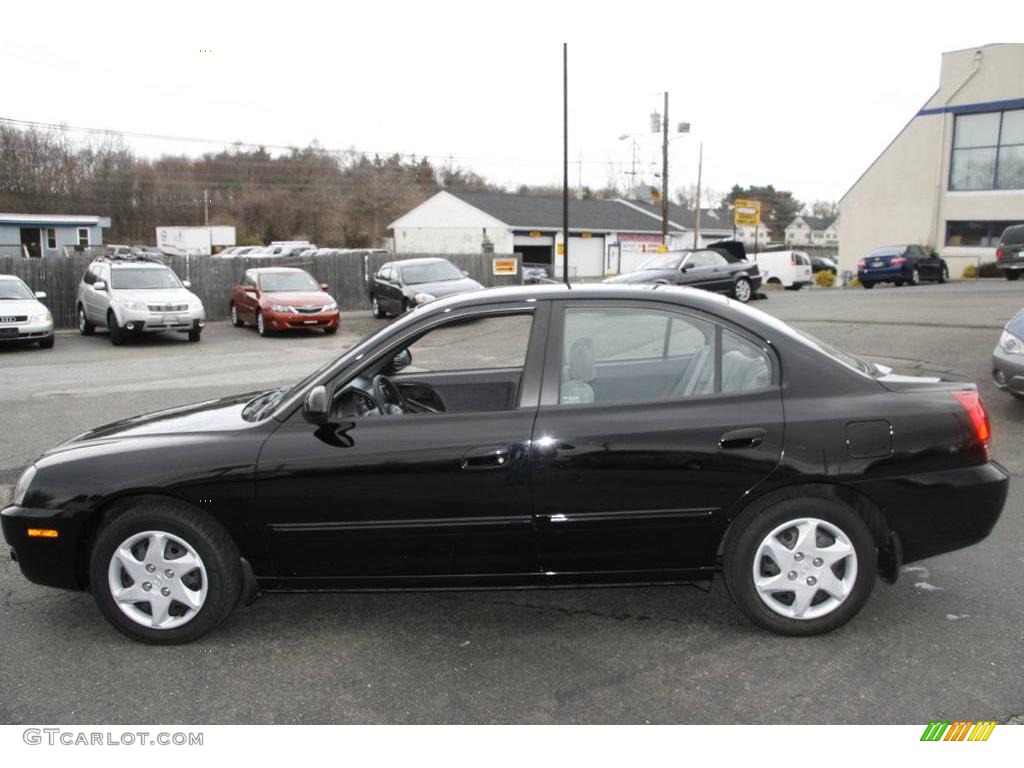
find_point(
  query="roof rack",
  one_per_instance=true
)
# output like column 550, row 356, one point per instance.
column 130, row 257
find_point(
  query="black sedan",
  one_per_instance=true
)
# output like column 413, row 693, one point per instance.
column 901, row 265
column 532, row 436
column 720, row 270
column 399, row 286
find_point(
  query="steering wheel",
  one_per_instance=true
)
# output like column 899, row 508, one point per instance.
column 388, row 396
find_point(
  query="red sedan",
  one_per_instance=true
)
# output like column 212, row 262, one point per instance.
column 283, row 299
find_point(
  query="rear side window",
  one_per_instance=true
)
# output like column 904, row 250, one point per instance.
column 613, row 355
column 1013, row 236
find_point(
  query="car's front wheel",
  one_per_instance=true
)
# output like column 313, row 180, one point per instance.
column 235, row 319
column 868, row 286
column 165, row 574
column 376, row 308
column 261, row 325
column 116, row 331
column 84, row 326
column 741, row 290
column 801, row 566
column 915, row 277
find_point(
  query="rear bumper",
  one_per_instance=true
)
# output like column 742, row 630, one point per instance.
column 1008, row 371
column 943, row 511
column 1011, row 265
column 882, row 274
column 52, row 562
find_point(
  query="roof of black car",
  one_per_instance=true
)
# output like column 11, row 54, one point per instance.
column 555, row 291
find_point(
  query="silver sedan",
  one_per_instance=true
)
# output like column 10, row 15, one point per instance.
column 22, row 317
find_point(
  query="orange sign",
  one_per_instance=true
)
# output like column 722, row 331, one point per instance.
column 504, row 266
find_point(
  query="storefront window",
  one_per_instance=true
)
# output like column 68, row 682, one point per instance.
column 988, row 151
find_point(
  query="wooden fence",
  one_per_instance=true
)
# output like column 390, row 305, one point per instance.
column 213, row 279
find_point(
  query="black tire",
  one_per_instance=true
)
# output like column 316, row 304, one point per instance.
column 84, row 326
column 405, row 306
column 898, row 283
column 330, row 331
column 235, row 319
column 261, row 326
column 755, row 524
column 868, row 286
column 1011, row 275
column 209, row 540
column 943, row 275
column 116, row 331
column 376, row 308
column 46, row 343
column 742, row 290
column 195, row 335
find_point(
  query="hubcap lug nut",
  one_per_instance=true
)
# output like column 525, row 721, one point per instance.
column 169, row 573
column 150, row 567
column 817, row 562
column 798, row 556
column 791, row 575
column 165, row 592
column 811, row 581
column 147, row 586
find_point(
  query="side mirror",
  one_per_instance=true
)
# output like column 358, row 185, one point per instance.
column 314, row 409
column 99, row 285
column 187, row 283
column 40, row 294
column 402, row 360
column 323, row 286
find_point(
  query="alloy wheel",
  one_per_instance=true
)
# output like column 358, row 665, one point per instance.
column 81, row 319
column 260, row 327
column 158, row 580
column 805, row 568
column 742, row 291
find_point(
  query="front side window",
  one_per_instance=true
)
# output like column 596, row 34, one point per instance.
column 476, row 344
column 612, row 355
column 988, row 151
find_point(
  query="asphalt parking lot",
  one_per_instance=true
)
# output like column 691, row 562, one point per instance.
column 945, row 642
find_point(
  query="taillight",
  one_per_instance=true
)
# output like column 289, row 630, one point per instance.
column 862, row 265
column 897, row 261
column 971, row 401
column 999, row 253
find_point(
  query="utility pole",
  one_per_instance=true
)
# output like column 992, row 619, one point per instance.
column 696, row 220
column 664, row 175
column 565, row 163
column 206, row 207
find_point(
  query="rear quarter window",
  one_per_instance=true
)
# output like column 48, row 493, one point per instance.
column 1013, row 236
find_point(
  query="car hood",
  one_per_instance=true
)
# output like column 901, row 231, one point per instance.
column 1015, row 326
column 20, row 307
column 299, row 298
column 221, row 415
column 156, row 295
column 644, row 276
column 445, row 287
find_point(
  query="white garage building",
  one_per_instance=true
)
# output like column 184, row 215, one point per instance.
column 953, row 178
column 605, row 236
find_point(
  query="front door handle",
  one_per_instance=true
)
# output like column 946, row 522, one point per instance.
column 487, row 457
column 742, row 438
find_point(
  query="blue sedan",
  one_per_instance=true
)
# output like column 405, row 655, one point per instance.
column 901, row 264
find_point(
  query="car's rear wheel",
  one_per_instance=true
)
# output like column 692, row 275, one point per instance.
column 1011, row 275
column 915, row 277
column 331, row 331
column 84, row 326
column 195, row 334
column 165, row 574
column 261, row 325
column 47, row 343
column 376, row 308
column 943, row 275
column 741, row 290
column 868, row 286
column 235, row 319
column 801, row 566
column 116, row 331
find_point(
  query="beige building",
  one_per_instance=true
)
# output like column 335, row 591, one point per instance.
column 953, row 178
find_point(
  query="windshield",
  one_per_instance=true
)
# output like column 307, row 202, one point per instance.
column 275, row 282
column 143, row 279
column 434, row 272
column 663, row 261
column 14, row 290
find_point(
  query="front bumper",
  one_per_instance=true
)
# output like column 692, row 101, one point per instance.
column 52, row 562
column 298, row 321
column 1008, row 371
column 936, row 512
column 25, row 332
column 144, row 321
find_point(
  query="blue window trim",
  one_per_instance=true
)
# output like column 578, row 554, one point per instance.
column 970, row 109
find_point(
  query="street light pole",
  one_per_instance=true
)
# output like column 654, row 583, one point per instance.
column 565, row 163
column 696, row 220
column 664, row 175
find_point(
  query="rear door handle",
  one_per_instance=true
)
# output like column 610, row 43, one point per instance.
column 487, row 457
column 742, row 438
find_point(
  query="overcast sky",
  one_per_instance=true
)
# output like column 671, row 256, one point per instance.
column 797, row 94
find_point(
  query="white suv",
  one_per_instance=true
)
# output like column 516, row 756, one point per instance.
column 134, row 296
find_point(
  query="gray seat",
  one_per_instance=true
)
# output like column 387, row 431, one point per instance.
column 741, row 373
column 576, row 388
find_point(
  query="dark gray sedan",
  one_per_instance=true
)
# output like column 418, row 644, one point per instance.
column 717, row 269
column 399, row 286
column 1008, row 357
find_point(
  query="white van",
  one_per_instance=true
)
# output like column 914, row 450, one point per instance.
column 790, row 269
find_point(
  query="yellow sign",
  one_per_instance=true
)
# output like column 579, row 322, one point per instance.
column 747, row 213
column 561, row 249
column 504, row 266
column 535, row 233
